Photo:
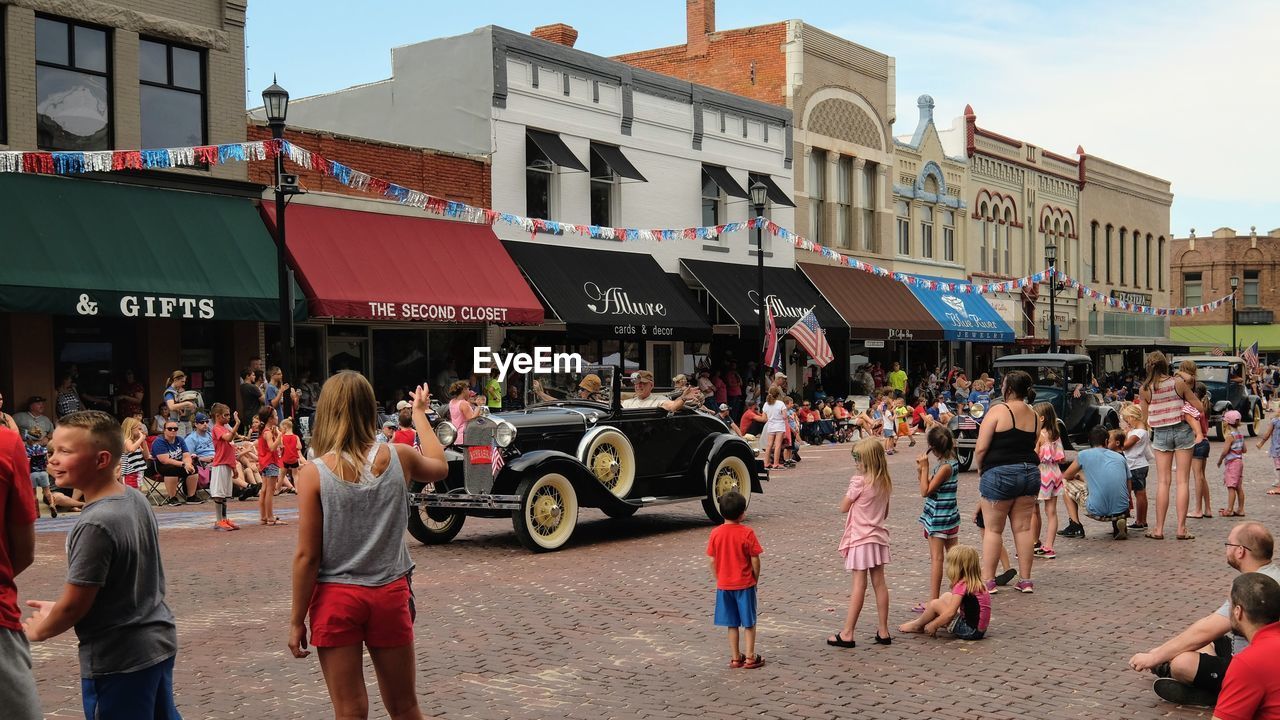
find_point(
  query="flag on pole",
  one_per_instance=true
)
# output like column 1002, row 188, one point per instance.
column 497, row 461
column 772, row 348
column 812, row 338
column 1250, row 357
column 1217, row 352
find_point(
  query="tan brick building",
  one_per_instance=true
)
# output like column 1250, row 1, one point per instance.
column 842, row 97
column 1201, row 271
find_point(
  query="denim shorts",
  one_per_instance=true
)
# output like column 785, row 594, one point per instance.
column 1006, row 482
column 1200, row 451
column 736, row 608
column 961, row 630
column 1138, row 478
column 1173, row 437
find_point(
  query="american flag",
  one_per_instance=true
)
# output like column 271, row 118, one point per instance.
column 772, row 354
column 1250, row 357
column 1218, row 352
column 497, row 461
column 811, row 337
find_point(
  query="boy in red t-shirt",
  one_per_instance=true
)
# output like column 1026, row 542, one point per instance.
column 223, row 466
column 735, row 565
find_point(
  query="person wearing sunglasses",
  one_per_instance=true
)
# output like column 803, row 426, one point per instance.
column 174, row 462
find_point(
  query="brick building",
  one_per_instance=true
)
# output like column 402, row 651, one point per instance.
column 97, row 275
column 1202, row 269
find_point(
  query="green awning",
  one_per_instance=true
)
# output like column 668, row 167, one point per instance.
column 88, row 248
column 1207, row 337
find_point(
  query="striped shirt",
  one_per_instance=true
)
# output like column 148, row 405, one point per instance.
column 133, row 463
column 941, row 513
column 1165, row 408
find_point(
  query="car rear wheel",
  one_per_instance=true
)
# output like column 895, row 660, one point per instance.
column 730, row 474
column 433, row 526
column 548, row 512
column 1258, row 424
column 612, row 460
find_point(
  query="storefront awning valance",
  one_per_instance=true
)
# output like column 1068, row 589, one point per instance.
column 617, row 162
column 1219, row 336
column 774, row 193
column 555, row 149
column 372, row 266
column 874, row 307
column 610, row 294
column 963, row 316
column 101, row 249
column 734, row 288
column 724, row 181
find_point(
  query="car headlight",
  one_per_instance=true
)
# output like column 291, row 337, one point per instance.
column 505, row 434
column 446, row 433
column 976, row 411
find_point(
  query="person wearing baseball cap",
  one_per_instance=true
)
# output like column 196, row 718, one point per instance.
column 1233, row 451
column 725, row 416
column 644, row 397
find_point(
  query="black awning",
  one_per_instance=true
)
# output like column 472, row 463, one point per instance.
column 613, row 157
column 610, row 294
column 554, row 148
column 786, row 290
column 721, row 177
column 776, row 196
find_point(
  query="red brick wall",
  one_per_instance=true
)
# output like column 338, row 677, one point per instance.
column 447, row 176
column 1217, row 259
column 727, row 62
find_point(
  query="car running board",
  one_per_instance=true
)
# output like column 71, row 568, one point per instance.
column 465, row 502
column 650, row 501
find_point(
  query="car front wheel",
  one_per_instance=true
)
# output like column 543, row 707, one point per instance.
column 730, row 474
column 548, row 512
column 433, row 526
column 1259, row 421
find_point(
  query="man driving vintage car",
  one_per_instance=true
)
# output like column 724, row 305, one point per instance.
column 588, row 389
column 644, row 397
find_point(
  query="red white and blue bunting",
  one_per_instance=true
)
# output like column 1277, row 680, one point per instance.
column 73, row 163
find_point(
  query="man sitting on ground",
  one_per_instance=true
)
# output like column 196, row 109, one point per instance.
column 1251, row 687
column 1188, row 676
column 725, row 416
column 644, row 397
column 1104, row 491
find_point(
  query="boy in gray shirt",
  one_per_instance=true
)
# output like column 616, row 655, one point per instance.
column 114, row 594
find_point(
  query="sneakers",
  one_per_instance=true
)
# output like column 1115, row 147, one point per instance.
column 1137, row 526
column 174, row 501
column 1026, row 586
column 1177, row 693
column 1072, row 530
column 1047, row 553
column 1006, row 577
column 991, row 587
column 1119, row 530
column 225, row 524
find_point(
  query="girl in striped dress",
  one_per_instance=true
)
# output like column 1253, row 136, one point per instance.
column 1049, row 448
column 941, row 515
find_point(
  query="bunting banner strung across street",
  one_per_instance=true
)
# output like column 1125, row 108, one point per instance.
column 74, row 163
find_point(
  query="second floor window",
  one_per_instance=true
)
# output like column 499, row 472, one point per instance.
column 711, row 201
column 904, row 228
column 1192, row 289
column 539, row 176
column 844, row 202
column 817, row 194
column 603, row 182
column 73, row 86
column 948, row 236
column 926, row 232
column 867, row 205
column 172, row 95
column 1251, row 294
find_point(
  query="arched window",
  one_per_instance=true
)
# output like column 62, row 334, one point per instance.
column 1123, row 236
column 982, row 242
column 1137, row 261
column 1093, row 251
column 1160, row 263
column 1147, row 262
column 1008, row 240
column 1107, row 254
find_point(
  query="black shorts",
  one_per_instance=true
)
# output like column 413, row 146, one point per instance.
column 292, row 465
column 173, row 471
column 1210, row 672
column 1138, row 478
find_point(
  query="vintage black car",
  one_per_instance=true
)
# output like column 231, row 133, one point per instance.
column 574, row 447
column 1224, row 376
column 1057, row 378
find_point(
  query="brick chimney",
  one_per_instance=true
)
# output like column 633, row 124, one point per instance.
column 700, row 21
column 556, row 33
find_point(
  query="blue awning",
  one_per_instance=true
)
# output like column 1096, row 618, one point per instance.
column 963, row 316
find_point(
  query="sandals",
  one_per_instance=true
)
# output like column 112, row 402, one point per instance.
column 1188, row 536
column 738, row 661
column 837, row 641
column 918, row 609
column 1153, row 536
column 275, row 521
column 1274, row 491
column 753, row 663
column 883, row 640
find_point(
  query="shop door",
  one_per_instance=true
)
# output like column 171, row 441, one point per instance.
column 661, row 360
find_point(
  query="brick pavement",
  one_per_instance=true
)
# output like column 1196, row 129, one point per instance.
column 618, row 624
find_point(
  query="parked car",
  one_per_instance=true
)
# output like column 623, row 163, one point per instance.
column 573, row 447
column 1060, row 379
column 1224, row 376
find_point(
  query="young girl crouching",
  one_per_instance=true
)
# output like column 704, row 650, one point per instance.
column 965, row 611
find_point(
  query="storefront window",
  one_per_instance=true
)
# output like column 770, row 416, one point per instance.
column 399, row 364
column 73, row 87
column 630, row 357
column 451, row 356
column 696, row 355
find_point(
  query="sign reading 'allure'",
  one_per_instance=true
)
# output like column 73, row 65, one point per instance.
column 616, row 301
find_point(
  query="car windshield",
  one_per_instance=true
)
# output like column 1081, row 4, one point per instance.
column 594, row 383
column 1212, row 374
column 1043, row 376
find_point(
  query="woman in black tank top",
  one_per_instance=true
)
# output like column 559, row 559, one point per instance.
column 1009, row 477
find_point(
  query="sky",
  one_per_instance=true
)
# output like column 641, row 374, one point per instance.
column 1184, row 90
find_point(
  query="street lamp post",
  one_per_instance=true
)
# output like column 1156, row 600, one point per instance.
column 758, row 194
column 1051, row 254
column 1235, row 283
column 275, row 100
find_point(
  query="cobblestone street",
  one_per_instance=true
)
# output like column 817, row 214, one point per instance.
column 619, row 623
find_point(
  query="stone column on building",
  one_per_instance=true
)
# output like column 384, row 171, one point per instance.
column 126, row 119
column 17, row 53
column 884, row 211
column 831, row 205
column 859, row 202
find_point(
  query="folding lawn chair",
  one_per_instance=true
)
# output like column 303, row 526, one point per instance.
column 151, row 483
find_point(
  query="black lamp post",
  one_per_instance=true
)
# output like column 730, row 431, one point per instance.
column 758, row 195
column 275, row 101
column 1051, row 254
column 1235, row 283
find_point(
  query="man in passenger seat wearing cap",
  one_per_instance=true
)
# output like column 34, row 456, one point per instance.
column 644, row 397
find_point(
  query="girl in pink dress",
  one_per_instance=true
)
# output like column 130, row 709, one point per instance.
column 1049, row 449
column 865, row 543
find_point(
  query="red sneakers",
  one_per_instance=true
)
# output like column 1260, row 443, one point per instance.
column 225, row 524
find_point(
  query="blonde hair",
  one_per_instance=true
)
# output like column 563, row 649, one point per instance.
column 875, row 465
column 346, row 420
column 774, row 393
column 286, row 426
column 962, row 567
column 1132, row 414
column 104, row 431
column 130, row 424
column 176, row 376
column 1188, row 367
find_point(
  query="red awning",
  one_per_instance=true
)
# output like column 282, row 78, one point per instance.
column 371, row 266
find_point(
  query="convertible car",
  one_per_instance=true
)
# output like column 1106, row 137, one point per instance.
column 1224, row 376
column 1058, row 379
column 574, row 446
